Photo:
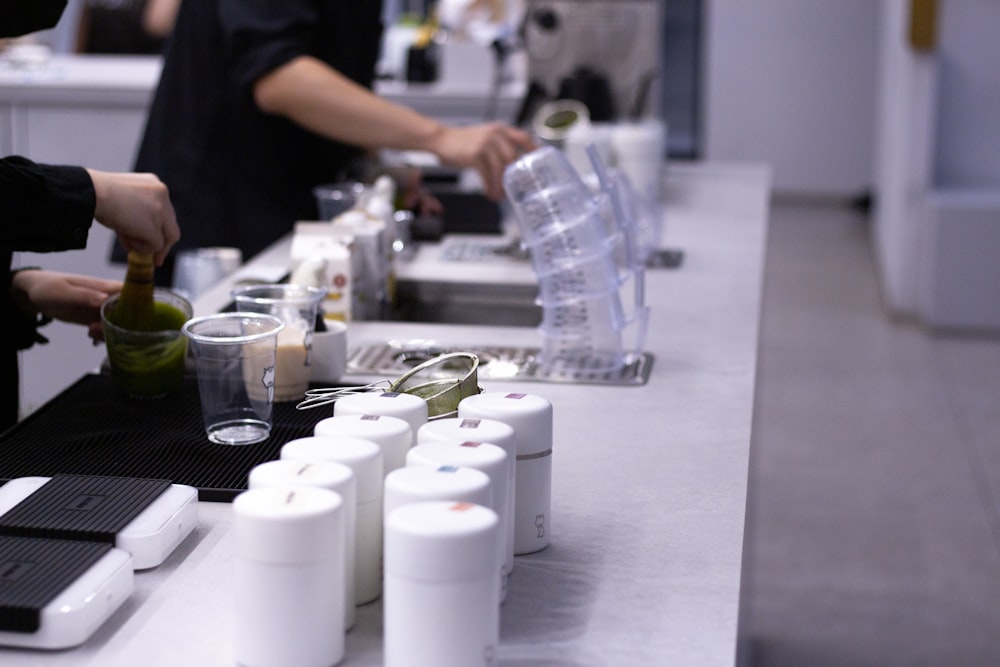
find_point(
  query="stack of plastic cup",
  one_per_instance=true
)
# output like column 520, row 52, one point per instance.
column 573, row 246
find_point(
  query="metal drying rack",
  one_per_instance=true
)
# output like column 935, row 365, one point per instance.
column 516, row 364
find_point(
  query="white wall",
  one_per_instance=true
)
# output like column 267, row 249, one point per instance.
column 792, row 83
column 906, row 111
column 967, row 151
column 936, row 235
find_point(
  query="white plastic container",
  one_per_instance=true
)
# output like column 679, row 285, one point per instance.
column 408, row 407
column 289, row 546
column 493, row 461
column 413, row 484
column 392, row 434
column 365, row 459
column 456, row 429
column 442, row 604
column 325, row 475
column 531, row 418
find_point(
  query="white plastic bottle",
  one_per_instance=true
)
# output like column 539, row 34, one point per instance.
column 330, row 475
column 531, row 417
column 442, row 603
column 289, row 546
column 392, row 434
column 365, row 459
column 494, row 462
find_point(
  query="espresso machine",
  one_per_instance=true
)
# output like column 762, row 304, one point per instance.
column 604, row 53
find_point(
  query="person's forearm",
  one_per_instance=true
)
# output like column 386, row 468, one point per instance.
column 320, row 99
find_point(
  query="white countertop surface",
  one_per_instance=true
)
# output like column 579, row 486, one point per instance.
column 649, row 483
column 91, row 78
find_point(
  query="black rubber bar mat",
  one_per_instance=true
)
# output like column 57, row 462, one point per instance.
column 35, row 571
column 81, row 507
column 93, row 429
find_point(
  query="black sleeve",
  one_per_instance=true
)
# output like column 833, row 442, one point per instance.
column 262, row 35
column 20, row 18
column 44, row 208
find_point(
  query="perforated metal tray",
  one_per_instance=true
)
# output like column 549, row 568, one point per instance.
column 390, row 359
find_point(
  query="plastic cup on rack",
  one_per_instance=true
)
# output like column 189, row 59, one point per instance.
column 546, row 212
column 543, row 168
column 297, row 306
column 597, row 312
column 593, row 351
column 579, row 278
column 584, row 236
column 234, row 356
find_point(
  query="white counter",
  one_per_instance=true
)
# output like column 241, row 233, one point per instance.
column 649, row 483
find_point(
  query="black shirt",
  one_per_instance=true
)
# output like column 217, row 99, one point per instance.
column 237, row 176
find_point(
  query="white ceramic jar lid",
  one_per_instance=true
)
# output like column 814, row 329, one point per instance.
column 282, row 472
column 288, row 524
column 480, row 455
column 392, row 434
column 529, row 415
column 440, row 541
column 369, row 426
column 419, row 483
column 471, row 429
column 411, row 409
column 362, row 456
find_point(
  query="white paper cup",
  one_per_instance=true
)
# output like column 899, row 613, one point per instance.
column 329, row 352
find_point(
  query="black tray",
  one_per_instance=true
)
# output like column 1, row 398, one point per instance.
column 93, row 429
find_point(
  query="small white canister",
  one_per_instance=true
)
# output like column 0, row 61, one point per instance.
column 480, row 430
column 411, row 409
column 392, row 434
column 325, row 475
column 365, row 459
column 413, row 484
column 442, row 602
column 289, row 546
column 493, row 461
column 531, row 418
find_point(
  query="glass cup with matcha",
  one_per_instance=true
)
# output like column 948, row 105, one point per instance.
column 148, row 364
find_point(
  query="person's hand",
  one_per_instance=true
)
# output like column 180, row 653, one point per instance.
column 67, row 297
column 137, row 208
column 488, row 148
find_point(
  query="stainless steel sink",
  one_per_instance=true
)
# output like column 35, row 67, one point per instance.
column 454, row 303
column 449, row 301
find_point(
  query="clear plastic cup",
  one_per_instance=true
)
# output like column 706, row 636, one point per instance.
column 297, row 306
column 198, row 269
column 603, row 352
column 573, row 280
column 588, row 315
column 335, row 198
column 235, row 356
column 543, row 168
column 547, row 211
column 584, row 237
column 148, row 364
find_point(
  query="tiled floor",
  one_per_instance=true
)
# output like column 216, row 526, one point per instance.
column 874, row 531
